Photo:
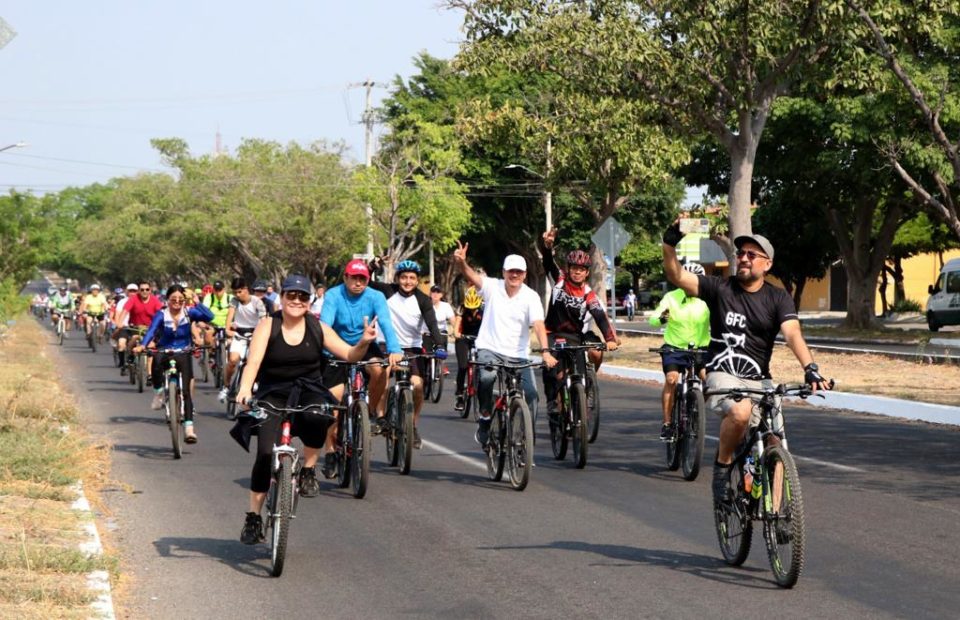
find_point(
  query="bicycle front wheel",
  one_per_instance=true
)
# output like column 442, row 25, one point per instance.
column 691, row 441
column 673, row 445
column 218, row 366
column 495, row 448
column 359, row 454
column 280, row 510
column 427, row 378
column 469, row 394
column 391, row 434
column 140, row 367
column 175, row 418
column 205, row 365
column 405, row 430
column 60, row 334
column 783, row 516
column 593, row 403
column 437, row 388
column 345, row 430
column 578, row 406
column 519, row 443
column 732, row 520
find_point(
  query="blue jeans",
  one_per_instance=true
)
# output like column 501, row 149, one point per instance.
column 489, row 377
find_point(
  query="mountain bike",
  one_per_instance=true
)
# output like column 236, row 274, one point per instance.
column 237, row 374
column 471, row 382
column 765, row 487
column 688, row 421
column 218, row 356
column 510, row 444
column 136, row 363
column 433, row 376
column 283, row 494
column 92, row 326
column 399, row 428
column 174, row 404
column 61, row 326
column 572, row 425
column 353, row 431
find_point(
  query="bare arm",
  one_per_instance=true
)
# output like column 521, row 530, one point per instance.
column 676, row 274
column 540, row 331
column 794, row 339
column 230, row 314
column 460, row 258
column 258, row 347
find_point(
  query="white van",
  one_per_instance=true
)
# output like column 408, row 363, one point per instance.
column 943, row 305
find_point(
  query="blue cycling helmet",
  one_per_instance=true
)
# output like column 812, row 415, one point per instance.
column 408, row 265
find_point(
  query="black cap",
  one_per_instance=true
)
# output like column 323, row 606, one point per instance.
column 296, row 282
column 436, row 289
column 259, row 285
column 218, row 285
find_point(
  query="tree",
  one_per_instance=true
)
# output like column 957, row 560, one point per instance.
column 22, row 228
column 916, row 236
column 712, row 67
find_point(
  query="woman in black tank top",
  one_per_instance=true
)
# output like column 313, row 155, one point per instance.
column 286, row 361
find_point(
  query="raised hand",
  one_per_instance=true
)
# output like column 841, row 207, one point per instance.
column 369, row 330
column 460, row 254
column 550, row 237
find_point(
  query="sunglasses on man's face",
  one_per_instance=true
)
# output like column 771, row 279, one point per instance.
column 750, row 254
column 297, row 296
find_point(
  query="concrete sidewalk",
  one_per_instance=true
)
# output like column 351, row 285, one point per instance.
column 879, row 405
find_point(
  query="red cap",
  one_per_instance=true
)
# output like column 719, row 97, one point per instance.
column 207, row 289
column 357, row 267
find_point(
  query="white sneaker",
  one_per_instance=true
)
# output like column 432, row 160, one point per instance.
column 223, row 395
column 157, row 403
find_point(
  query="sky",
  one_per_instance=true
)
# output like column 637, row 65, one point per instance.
column 88, row 84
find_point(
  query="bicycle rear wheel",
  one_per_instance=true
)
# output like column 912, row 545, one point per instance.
column 205, row 365
column 496, row 453
column 360, row 454
column 175, row 417
column 219, row 356
column 691, row 442
column 405, row 429
column 393, row 449
column 280, row 510
column 558, row 432
column 593, row 403
column 732, row 520
column 578, row 406
column 469, row 394
column 673, row 446
column 130, row 362
column 519, row 443
column 428, row 378
column 345, row 432
column 783, row 516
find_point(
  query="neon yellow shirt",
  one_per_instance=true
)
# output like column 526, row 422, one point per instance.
column 95, row 304
column 220, row 306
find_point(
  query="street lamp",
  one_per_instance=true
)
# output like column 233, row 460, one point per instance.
column 18, row 145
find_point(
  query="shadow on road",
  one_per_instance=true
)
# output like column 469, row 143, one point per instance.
column 246, row 559
column 707, row 567
column 157, row 420
column 164, row 453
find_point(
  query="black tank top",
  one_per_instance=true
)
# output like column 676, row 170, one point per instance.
column 284, row 363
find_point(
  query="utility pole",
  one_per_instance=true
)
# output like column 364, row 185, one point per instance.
column 367, row 121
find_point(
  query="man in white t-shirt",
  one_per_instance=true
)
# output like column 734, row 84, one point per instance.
column 511, row 309
column 316, row 304
column 244, row 314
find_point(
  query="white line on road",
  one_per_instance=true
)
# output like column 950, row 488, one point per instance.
column 814, row 461
column 447, row 451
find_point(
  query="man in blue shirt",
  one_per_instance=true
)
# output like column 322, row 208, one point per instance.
column 345, row 308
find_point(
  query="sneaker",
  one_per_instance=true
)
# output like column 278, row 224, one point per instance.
column 123, row 370
column 482, row 435
column 330, row 465
column 446, row 371
column 190, row 435
column 379, row 425
column 309, row 485
column 721, row 483
column 157, row 403
column 666, row 432
column 417, row 442
column 458, row 406
column 222, row 396
column 148, row 381
column 252, row 531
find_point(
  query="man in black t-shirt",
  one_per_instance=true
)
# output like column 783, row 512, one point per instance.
column 745, row 315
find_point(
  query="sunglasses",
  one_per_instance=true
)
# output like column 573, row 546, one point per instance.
column 145, row 290
column 175, row 300
column 297, row 296
column 750, row 254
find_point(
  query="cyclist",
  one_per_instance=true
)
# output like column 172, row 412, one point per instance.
column 286, row 362
column 688, row 322
column 122, row 321
column 746, row 314
column 219, row 303
column 571, row 300
column 139, row 312
column 95, row 305
column 260, row 292
column 411, row 310
column 469, row 317
column 172, row 330
column 511, row 309
column 630, row 304
column 242, row 317
column 316, row 304
column 346, row 307
column 61, row 304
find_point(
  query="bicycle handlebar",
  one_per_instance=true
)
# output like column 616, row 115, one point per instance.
column 508, row 367
column 323, row 409
column 594, row 346
column 784, row 389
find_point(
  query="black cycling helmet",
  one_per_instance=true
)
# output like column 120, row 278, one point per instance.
column 260, row 286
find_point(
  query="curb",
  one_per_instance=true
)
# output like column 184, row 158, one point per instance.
column 879, row 405
column 98, row 581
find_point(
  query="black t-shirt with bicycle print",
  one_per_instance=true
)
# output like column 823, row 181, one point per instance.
column 743, row 325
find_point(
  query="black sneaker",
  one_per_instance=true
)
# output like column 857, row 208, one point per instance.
column 417, row 442
column 458, row 406
column 483, row 431
column 330, row 465
column 309, row 485
column 252, row 531
column 123, row 371
column 721, row 483
column 666, row 432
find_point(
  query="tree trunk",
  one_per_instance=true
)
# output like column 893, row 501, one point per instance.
column 798, row 293
column 861, row 302
column 883, row 290
column 899, row 294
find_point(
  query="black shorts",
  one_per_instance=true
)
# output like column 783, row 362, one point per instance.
column 418, row 365
column 676, row 361
column 337, row 375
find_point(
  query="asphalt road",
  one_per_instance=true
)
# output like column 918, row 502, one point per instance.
column 623, row 538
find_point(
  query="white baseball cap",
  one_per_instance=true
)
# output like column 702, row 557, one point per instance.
column 514, row 261
column 132, row 287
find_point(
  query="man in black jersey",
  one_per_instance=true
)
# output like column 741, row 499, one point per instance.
column 746, row 314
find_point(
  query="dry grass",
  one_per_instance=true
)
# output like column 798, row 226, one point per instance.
column 42, row 570
column 862, row 374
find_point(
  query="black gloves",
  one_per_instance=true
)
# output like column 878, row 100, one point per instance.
column 672, row 235
column 812, row 376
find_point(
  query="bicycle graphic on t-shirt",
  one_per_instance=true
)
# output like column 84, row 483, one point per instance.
column 734, row 363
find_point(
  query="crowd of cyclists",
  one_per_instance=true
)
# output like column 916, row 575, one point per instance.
column 282, row 342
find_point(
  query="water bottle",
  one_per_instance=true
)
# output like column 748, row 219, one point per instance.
column 757, row 488
column 748, row 475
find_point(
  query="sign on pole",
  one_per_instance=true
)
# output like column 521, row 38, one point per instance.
column 6, row 33
column 611, row 237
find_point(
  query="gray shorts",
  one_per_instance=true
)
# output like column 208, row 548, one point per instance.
column 721, row 405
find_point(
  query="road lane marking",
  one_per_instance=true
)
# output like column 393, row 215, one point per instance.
column 460, row 457
column 807, row 459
